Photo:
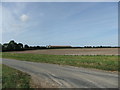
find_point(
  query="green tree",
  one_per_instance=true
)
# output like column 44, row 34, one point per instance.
column 0, row 47
column 5, row 46
column 19, row 46
column 12, row 45
column 26, row 46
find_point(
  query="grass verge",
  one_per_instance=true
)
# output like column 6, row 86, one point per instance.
column 12, row 78
column 104, row 62
column 0, row 54
column 0, row 76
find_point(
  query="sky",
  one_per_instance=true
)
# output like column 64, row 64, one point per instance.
column 60, row 0
column 60, row 23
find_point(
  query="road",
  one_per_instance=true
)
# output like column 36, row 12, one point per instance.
column 51, row 75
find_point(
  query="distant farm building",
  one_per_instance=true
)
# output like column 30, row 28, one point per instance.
column 52, row 46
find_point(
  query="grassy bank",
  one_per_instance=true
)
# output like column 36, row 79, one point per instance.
column 103, row 62
column 0, row 72
column 0, row 76
column 12, row 78
column 0, row 55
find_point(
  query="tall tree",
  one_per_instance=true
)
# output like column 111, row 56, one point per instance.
column 5, row 46
column 0, row 47
column 12, row 45
column 20, row 46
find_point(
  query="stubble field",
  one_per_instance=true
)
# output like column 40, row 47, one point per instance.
column 82, row 51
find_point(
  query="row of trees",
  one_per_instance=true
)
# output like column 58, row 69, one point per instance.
column 13, row 46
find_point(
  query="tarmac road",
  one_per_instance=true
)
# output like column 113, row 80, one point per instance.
column 51, row 75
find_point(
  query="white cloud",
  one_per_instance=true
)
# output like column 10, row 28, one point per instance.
column 24, row 18
column 17, row 17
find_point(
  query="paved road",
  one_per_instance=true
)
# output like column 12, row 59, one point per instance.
column 65, row 76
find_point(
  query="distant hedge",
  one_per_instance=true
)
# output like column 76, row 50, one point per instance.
column 13, row 46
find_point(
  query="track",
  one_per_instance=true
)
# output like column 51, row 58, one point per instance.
column 65, row 76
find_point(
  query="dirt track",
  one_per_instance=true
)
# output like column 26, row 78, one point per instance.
column 85, row 51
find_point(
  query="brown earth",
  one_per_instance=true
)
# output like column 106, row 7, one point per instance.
column 82, row 51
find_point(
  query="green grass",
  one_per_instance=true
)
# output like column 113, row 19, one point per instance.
column 0, row 55
column 104, row 62
column 0, row 76
column 0, row 72
column 12, row 78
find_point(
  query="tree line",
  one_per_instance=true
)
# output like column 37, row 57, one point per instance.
column 13, row 46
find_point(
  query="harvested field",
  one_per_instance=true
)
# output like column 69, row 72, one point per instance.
column 82, row 51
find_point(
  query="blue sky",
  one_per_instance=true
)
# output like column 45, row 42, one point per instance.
column 60, row 23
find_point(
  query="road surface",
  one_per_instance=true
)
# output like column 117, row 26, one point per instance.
column 51, row 75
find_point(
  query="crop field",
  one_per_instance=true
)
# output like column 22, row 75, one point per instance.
column 82, row 51
column 99, row 58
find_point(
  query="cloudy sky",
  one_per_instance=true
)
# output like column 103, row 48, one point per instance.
column 60, row 23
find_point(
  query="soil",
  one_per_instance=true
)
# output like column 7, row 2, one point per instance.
column 82, row 51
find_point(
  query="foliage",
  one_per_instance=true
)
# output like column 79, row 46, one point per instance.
column 0, row 47
column 26, row 46
column 12, row 46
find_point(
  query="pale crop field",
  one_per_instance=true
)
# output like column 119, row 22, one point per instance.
column 82, row 51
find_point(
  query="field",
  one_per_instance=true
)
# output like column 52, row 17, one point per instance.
column 104, row 62
column 12, row 78
column 99, row 58
column 82, row 51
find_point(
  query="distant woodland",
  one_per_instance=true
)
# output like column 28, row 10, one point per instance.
column 14, row 46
